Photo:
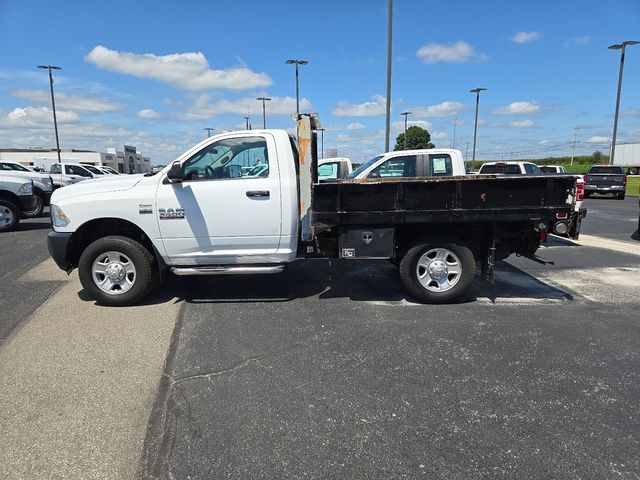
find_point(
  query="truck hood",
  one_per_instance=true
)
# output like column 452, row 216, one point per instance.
column 96, row 186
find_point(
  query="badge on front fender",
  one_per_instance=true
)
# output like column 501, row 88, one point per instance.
column 171, row 213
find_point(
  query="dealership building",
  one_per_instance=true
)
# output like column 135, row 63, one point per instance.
column 127, row 160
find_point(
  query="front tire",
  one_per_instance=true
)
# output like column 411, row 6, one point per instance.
column 117, row 271
column 438, row 271
column 38, row 209
column 9, row 215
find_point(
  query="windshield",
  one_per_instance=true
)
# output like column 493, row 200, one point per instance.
column 93, row 169
column 364, row 166
column 13, row 166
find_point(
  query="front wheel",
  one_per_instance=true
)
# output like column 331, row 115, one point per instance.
column 117, row 271
column 438, row 272
column 37, row 210
column 9, row 215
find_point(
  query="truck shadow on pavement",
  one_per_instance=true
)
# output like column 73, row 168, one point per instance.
column 368, row 281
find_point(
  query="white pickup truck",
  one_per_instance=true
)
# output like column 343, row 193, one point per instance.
column 123, row 232
column 16, row 198
column 434, row 162
column 43, row 184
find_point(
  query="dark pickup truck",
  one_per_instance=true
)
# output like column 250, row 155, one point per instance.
column 604, row 179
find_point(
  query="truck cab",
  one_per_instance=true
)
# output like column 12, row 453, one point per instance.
column 333, row 168
column 434, row 162
column 509, row 168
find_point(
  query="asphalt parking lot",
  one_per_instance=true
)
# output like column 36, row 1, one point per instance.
column 329, row 371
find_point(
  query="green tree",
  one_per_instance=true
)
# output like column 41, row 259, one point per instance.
column 417, row 137
column 597, row 156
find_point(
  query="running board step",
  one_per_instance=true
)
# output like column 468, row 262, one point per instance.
column 226, row 270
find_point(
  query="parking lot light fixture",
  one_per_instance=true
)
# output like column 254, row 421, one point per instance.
column 209, row 130
column 406, row 114
column 296, row 63
column 622, row 46
column 475, row 127
column 53, row 104
column 264, row 114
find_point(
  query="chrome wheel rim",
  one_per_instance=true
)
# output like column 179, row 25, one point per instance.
column 438, row 270
column 6, row 216
column 113, row 273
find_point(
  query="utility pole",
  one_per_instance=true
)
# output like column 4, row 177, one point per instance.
column 209, row 130
column 466, row 155
column 406, row 114
column 321, row 130
column 264, row 115
column 53, row 104
column 575, row 134
column 622, row 48
column 455, row 123
column 475, row 128
column 387, row 130
column 296, row 63
column 246, row 119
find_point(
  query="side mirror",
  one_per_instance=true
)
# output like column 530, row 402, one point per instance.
column 175, row 172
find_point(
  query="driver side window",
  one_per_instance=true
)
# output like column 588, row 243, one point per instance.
column 244, row 157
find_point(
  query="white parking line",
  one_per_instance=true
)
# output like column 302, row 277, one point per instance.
column 608, row 244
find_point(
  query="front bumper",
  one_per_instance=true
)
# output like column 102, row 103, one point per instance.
column 27, row 203
column 58, row 243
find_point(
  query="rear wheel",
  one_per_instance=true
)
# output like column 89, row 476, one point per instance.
column 117, row 271
column 438, row 271
column 621, row 196
column 634, row 171
column 9, row 215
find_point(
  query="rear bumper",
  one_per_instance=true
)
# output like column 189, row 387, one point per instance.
column 604, row 188
column 58, row 243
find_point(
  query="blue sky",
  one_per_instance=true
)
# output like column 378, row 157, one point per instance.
column 154, row 75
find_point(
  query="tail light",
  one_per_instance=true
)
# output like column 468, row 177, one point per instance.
column 624, row 180
column 561, row 215
column 579, row 192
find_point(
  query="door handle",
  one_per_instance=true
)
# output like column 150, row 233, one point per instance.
column 258, row 193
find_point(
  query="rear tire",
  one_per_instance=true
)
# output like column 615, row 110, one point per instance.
column 117, row 271
column 438, row 271
column 9, row 216
column 621, row 196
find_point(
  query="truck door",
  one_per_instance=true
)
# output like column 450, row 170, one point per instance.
column 227, row 205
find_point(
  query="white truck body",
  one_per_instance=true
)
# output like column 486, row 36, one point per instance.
column 628, row 155
column 413, row 163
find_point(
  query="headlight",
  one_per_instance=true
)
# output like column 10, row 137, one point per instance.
column 58, row 217
column 26, row 189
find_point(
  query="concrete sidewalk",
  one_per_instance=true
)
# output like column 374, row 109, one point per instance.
column 77, row 384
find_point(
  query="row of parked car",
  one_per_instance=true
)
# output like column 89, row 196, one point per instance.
column 26, row 191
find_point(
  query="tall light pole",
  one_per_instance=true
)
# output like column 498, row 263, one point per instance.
column 246, row 119
column 575, row 135
column 264, row 114
column 475, row 128
column 620, row 47
column 455, row 124
column 387, row 129
column 406, row 114
column 209, row 130
column 296, row 63
column 53, row 104
column 321, row 130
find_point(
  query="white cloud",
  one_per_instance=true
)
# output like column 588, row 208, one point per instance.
column 525, row 37
column 437, row 135
column 375, row 106
column 71, row 102
column 148, row 113
column 35, row 118
column 598, row 139
column 202, row 109
column 189, row 71
column 457, row 52
column 518, row 108
column 520, row 124
column 399, row 125
column 355, row 126
column 443, row 109
column 632, row 112
column 578, row 41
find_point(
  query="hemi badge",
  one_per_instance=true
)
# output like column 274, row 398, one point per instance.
column 145, row 209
